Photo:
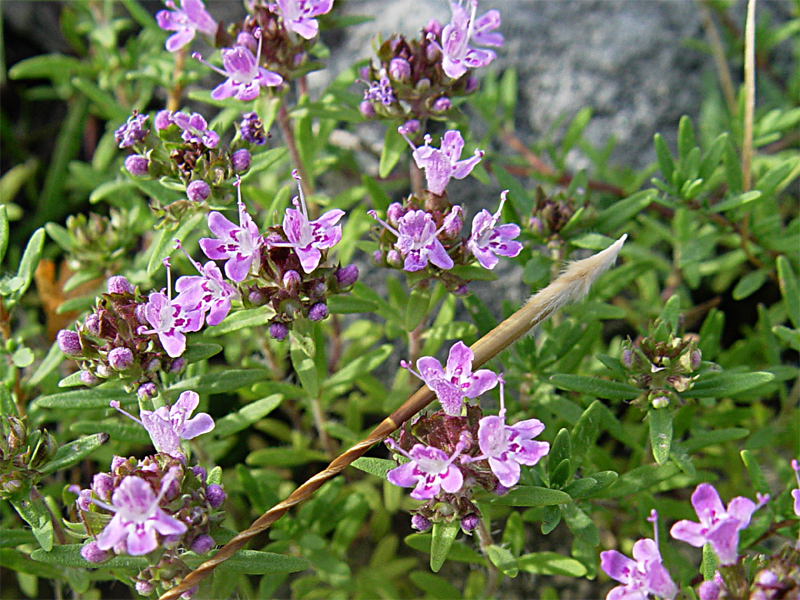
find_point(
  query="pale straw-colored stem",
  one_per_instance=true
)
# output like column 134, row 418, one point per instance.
column 571, row 286
column 749, row 95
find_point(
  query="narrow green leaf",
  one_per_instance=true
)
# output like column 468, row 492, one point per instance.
column 703, row 439
column 503, row 560
column 85, row 399
column 360, row 366
column 3, row 232
column 264, row 160
column 790, row 336
column 70, row 556
column 306, row 369
column 9, row 538
column 102, row 101
column 713, row 156
column 619, row 213
column 728, row 384
column 580, row 523
column 708, row 567
column 434, row 585
column 166, row 244
column 517, row 195
column 417, row 307
column 593, row 386
column 754, row 470
column 346, row 305
column 35, row 513
column 666, row 163
column 575, row 128
column 641, row 478
column 749, row 284
column 7, row 406
column 74, row 452
column 671, row 313
column 283, row 457
column 49, row 66
column 509, row 93
column 374, row 466
column 550, row 563
column 220, row 382
column 252, row 562
column 242, row 319
column 16, row 560
column 30, row 260
column 580, row 487
column 532, row 496
column 560, row 450
column 197, row 352
column 482, row 316
column 246, row 416
column 790, row 290
column 737, row 201
column 393, row 147
column 660, row 433
column 458, row 552
column 442, row 538
column 118, row 429
column 686, row 141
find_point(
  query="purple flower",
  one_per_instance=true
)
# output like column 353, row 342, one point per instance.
column 308, row 238
column 240, row 160
column 241, row 245
column 416, row 239
column 299, row 15
column 207, row 292
column 428, row 472
column 195, row 129
column 488, row 241
column 381, row 91
column 252, row 129
column 442, row 164
column 718, row 526
column 170, row 321
column 508, row 446
column 796, row 493
column 132, row 131
column 711, row 589
column 120, row 358
column 245, row 77
column 70, row 343
column 168, row 425
column 639, row 577
column 137, row 165
column 185, row 21
column 457, row 56
column 456, row 380
column 198, row 190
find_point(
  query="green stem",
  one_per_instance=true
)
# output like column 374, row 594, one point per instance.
column 285, row 125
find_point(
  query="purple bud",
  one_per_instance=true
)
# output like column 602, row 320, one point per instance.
column 453, row 226
column 318, row 312
column 432, row 53
column 627, row 358
column 153, row 366
column 198, row 190
column 697, row 357
column 394, row 213
column 394, row 259
column 93, row 554
column 120, row 358
column 117, row 462
column 291, row 280
column 441, row 104
column 215, row 495
column 366, row 110
column 119, row 285
column 377, row 257
column 420, row 523
column 200, row 473
column 137, row 165
column 70, row 343
column 500, row 489
column 84, row 501
column 278, row 331
column 470, row 522
column 147, row 390
column 240, row 160
column 103, row 371
column 347, row 276
column 103, row 485
column 248, row 40
column 257, row 297
column 536, row 225
column 410, row 127
column 143, row 588
column 88, row 378
column 433, row 27
column 163, row 119
column 202, row 544
column 462, row 290
column 399, row 69
column 423, row 85
column 319, row 289
column 176, row 366
column 92, row 324
column 472, row 85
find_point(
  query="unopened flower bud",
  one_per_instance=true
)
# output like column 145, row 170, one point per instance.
column 278, row 331
column 394, row 259
column 163, row 119
column 198, row 190
column 394, row 213
column 420, row 523
column 472, row 85
column 93, row 554
column 366, row 109
column 137, row 165
column 117, row 462
column 462, row 290
column 441, row 104
column 347, row 276
column 92, row 324
column 103, row 485
column 291, row 280
column 143, row 588
column 377, row 257
column 410, row 127
column 318, row 312
column 88, row 378
column 660, row 402
column 320, row 289
column 44, row 452
column 119, row 285
column 215, row 495
column 70, row 343
column 696, row 359
column 433, row 27
column 120, row 358
column 256, row 297
column 147, row 390
column 399, row 69
column 176, row 366
column 103, row 371
column 453, row 226
column 500, row 489
column 10, row 485
column 200, row 473
column 240, row 160
column 248, row 40
column 627, row 358
column 470, row 522
column 423, row 85
column 536, row 225
column 202, row 544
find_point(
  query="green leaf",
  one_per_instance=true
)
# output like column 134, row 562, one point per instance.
column 246, row 416
column 74, row 452
column 749, row 284
column 593, row 386
column 671, row 313
column 442, row 537
column 728, row 384
column 251, row 317
column 686, row 141
column 102, row 101
column 345, row 305
column 70, row 556
column 48, row 66
column 393, row 147
column 641, row 478
column 580, row 524
column 708, row 567
column 660, row 433
column 120, row 430
column 22, row 357
column 560, row 450
column 3, row 232
column 359, row 367
column 9, row 538
column 306, row 369
column 703, row 439
column 503, row 560
column 35, row 513
column 197, row 352
column 790, row 290
column 737, row 201
column 666, row 163
column 575, row 128
column 284, row 457
column 220, row 382
column 252, row 562
column 417, row 307
column 517, row 195
column 264, row 160
column 30, row 260
column 532, row 496
column 165, row 243
column 20, row 562
column 754, row 470
column 580, row 487
column 550, row 563
column 374, row 466
column 457, row 553
column 85, row 399
column 619, row 213
column 434, row 585
column 6, row 402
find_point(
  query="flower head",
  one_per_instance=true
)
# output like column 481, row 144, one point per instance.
column 252, row 129
column 381, row 91
column 132, row 131
column 463, row 28
column 195, row 129
column 488, row 240
column 299, row 15
column 245, row 76
column 718, row 526
column 428, row 472
column 440, row 164
column 185, row 21
column 639, row 577
column 240, row 245
column 138, row 517
column 417, row 239
column 456, row 380
column 506, row 447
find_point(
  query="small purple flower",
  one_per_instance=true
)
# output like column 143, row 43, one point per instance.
column 456, row 380
column 207, row 292
column 428, row 472
column 711, row 589
column 420, row 523
column 198, row 190
column 163, row 119
column 118, row 284
column 170, row 321
column 508, row 446
column 244, row 77
column 639, row 577
column 796, row 493
column 399, row 69
column 299, row 15
column 416, row 239
column 70, row 343
column 195, row 129
column 185, row 21
column 120, row 358
column 347, row 276
column 488, row 240
column 202, row 544
column 240, row 160
column 93, row 554
column 278, row 331
column 168, row 425
column 317, row 312
column 381, row 91
column 308, row 238
column 132, row 131
column 442, row 164
column 457, row 55
column 252, row 129
column 215, row 495
column 240, row 246
column 138, row 517
column 137, row 165
column 718, row 526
